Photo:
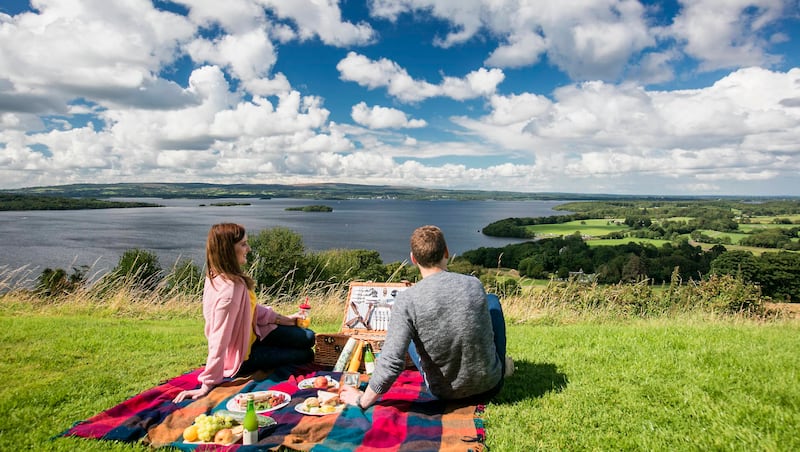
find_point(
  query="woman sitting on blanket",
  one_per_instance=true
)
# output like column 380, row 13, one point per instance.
column 243, row 335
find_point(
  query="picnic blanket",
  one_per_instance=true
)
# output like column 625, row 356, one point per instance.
column 406, row 419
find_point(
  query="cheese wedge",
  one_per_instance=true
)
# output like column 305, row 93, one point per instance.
column 327, row 398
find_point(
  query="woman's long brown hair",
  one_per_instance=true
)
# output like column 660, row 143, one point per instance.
column 221, row 253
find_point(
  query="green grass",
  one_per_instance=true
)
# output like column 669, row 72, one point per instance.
column 650, row 385
column 61, row 369
column 614, row 242
column 667, row 384
column 753, row 249
column 768, row 220
column 750, row 227
column 734, row 236
column 594, row 228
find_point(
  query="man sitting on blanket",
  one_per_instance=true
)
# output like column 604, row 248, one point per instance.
column 452, row 330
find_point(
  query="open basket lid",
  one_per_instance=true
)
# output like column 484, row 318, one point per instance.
column 368, row 306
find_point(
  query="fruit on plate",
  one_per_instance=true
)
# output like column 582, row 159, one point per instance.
column 208, row 426
column 190, row 433
column 224, row 436
column 321, row 382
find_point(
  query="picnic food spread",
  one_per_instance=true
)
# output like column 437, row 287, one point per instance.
column 227, row 427
column 217, row 429
column 145, row 418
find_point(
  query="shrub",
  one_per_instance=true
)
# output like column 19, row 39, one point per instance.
column 55, row 282
column 724, row 294
column 278, row 261
column 139, row 268
column 347, row 264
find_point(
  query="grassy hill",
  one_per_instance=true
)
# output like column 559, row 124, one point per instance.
column 588, row 376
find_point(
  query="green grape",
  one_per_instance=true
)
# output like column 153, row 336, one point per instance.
column 208, row 426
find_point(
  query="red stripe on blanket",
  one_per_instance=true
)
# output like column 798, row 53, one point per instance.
column 99, row 425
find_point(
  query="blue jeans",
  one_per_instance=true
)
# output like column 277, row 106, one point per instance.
column 499, row 331
column 283, row 345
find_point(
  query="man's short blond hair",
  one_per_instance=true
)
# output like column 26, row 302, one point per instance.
column 428, row 245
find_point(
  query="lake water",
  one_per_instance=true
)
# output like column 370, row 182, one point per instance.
column 64, row 239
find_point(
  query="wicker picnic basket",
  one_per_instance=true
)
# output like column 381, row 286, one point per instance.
column 366, row 318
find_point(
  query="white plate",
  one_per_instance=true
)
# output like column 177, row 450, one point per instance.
column 308, row 383
column 301, row 408
column 233, row 404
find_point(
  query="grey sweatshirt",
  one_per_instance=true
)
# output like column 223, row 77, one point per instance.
column 447, row 317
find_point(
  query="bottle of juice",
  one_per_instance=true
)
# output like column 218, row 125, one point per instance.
column 304, row 321
column 250, row 423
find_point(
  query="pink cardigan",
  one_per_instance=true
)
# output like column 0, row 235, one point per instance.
column 226, row 309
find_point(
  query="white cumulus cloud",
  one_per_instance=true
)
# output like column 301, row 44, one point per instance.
column 379, row 117
column 387, row 74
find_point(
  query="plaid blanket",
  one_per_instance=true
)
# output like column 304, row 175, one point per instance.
column 406, row 419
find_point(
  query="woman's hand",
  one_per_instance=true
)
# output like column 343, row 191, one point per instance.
column 293, row 318
column 193, row 394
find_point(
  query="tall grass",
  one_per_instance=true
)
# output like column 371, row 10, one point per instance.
column 688, row 366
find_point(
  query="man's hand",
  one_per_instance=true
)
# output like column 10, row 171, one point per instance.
column 349, row 395
column 353, row 396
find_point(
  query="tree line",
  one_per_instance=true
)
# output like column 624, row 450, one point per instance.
column 29, row 202
column 281, row 266
column 777, row 273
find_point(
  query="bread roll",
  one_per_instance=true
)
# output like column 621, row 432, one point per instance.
column 224, row 436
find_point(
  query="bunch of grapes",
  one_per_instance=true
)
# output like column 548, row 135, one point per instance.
column 208, row 426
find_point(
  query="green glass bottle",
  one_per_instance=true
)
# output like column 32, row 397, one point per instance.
column 250, row 424
column 369, row 360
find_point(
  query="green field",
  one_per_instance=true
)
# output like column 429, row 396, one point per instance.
column 768, row 220
column 750, row 227
column 614, row 242
column 687, row 383
column 593, row 228
column 734, row 236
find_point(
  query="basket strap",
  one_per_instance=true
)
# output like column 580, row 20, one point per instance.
column 355, row 320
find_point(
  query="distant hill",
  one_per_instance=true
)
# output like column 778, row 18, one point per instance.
column 302, row 191
column 329, row 191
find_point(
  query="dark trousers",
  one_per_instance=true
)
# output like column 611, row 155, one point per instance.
column 283, row 345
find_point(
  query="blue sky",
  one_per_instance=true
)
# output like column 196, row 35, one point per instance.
column 578, row 96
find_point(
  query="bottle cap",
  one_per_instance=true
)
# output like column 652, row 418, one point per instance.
column 305, row 305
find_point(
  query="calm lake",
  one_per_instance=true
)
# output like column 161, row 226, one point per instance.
column 65, row 239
